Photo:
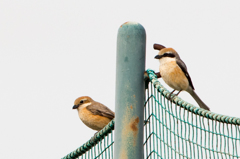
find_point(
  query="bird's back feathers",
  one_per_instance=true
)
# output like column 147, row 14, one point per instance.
column 100, row 109
column 183, row 67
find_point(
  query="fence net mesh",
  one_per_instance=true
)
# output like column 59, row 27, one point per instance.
column 100, row 146
column 172, row 129
column 177, row 129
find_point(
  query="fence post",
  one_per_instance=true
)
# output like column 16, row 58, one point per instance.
column 130, row 91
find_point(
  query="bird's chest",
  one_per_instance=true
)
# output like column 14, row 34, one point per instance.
column 173, row 75
column 95, row 122
column 85, row 116
column 168, row 67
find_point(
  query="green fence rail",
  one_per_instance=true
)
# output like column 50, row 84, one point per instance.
column 173, row 129
column 180, row 130
column 100, row 146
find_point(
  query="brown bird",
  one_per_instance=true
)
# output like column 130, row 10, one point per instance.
column 174, row 73
column 93, row 114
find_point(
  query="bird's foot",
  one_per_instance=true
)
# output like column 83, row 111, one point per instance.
column 94, row 137
column 171, row 95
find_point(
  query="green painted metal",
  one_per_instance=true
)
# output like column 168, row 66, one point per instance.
column 130, row 91
column 180, row 130
column 101, row 145
column 171, row 130
column 196, row 110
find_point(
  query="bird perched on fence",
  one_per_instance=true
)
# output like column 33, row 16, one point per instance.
column 174, row 73
column 93, row 114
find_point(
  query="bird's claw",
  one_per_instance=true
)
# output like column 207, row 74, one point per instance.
column 171, row 96
column 93, row 139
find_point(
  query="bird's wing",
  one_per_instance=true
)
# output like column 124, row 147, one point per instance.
column 102, row 110
column 182, row 65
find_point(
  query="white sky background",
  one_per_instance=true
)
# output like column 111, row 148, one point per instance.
column 52, row 52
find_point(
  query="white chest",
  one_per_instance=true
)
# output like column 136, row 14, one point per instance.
column 172, row 74
column 167, row 65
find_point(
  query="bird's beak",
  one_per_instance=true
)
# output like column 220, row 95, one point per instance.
column 158, row 57
column 75, row 106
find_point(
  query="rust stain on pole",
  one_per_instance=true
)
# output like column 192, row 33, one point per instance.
column 129, row 132
column 128, row 135
column 124, row 24
column 134, row 126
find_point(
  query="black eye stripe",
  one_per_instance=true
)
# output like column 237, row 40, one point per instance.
column 165, row 55
column 168, row 55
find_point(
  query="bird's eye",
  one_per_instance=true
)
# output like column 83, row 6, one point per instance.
column 81, row 101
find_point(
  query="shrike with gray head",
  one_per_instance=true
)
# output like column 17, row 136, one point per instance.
column 174, row 73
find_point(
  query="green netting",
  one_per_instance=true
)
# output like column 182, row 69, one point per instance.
column 180, row 130
column 100, row 147
column 172, row 129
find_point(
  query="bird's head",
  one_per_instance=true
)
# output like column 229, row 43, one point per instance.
column 82, row 102
column 165, row 52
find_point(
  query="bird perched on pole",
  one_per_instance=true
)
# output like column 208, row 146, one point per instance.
column 93, row 114
column 174, row 73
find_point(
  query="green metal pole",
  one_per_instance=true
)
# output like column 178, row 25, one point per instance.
column 130, row 91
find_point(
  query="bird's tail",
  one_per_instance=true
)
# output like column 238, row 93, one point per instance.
column 198, row 100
